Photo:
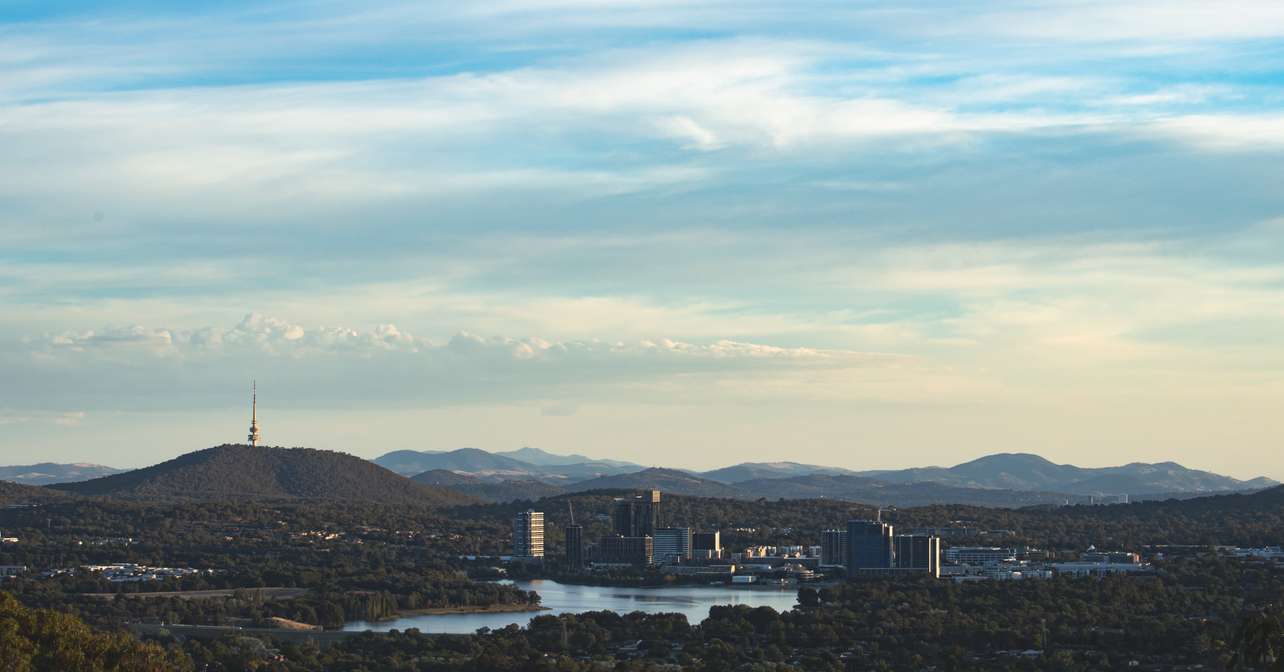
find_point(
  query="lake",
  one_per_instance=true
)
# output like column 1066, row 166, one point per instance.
column 692, row 601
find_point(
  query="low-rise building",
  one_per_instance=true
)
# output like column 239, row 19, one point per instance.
column 979, row 555
column 720, row 571
column 1116, row 557
column 617, row 550
column 1266, row 553
column 1101, row 568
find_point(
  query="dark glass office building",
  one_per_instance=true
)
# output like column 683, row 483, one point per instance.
column 918, row 551
column 869, row 545
column 574, row 546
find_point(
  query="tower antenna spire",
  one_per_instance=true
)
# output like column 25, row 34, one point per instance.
column 254, row 414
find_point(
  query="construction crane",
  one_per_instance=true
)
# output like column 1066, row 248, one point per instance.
column 570, row 507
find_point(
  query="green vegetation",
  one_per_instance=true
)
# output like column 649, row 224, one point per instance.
column 35, row 640
column 357, row 561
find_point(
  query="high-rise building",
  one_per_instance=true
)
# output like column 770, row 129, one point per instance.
column 624, row 517
column 869, row 545
column 833, row 548
column 706, row 545
column 672, row 544
column 619, row 550
column 574, row 546
column 650, row 511
column 636, row 516
column 918, row 551
column 528, row 534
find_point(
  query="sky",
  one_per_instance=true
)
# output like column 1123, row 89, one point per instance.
column 861, row 234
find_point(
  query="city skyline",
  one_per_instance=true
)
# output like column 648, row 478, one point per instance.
column 677, row 235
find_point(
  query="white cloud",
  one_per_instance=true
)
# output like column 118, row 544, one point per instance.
column 269, row 335
column 1241, row 132
column 1097, row 21
column 55, row 418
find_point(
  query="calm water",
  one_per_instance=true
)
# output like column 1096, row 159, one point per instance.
column 693, row 601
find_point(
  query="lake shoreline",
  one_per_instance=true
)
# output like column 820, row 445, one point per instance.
column 445, row 611
column 693, row 602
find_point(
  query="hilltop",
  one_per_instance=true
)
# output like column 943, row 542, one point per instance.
column 244, row 472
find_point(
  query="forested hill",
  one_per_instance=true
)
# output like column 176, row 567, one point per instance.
column 14, row 492
column 668, row 480
column 238, row 471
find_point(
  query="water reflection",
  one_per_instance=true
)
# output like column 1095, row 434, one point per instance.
column 691, row 601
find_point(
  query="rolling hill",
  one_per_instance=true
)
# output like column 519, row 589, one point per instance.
column 445, row 478
column 748, row 471
column 557, row 469
column 472, row 461
column 668, row 480
column 1024, row 471
column 1002, row 480
column 244, row 472
column 543, row 458
column 851, row 488
column 488, row 491
column 47, row 473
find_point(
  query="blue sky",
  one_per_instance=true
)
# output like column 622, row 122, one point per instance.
column 861, row 234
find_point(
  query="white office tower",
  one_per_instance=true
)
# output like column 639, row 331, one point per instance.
column 528, row 534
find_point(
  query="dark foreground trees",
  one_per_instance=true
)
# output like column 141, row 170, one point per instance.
column 35, row 640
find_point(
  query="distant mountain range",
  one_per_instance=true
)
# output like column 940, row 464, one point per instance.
column 544, row 458
column 243, row 472
column 471, row 474
column 748, row 471
column 1023, row 471
column 47, row 473
column 536, row 465
column 490, row 491
column 669, row 480
column 1005, row 479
